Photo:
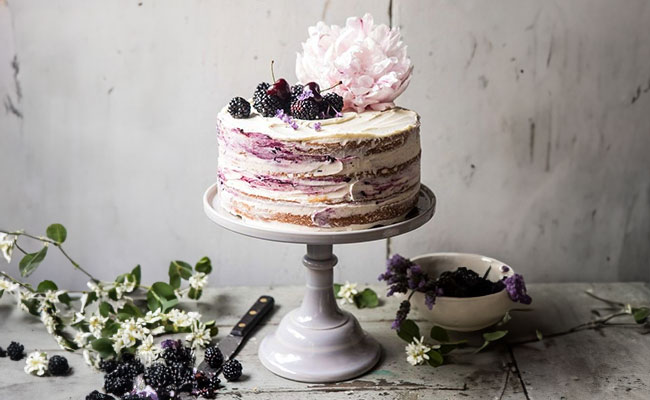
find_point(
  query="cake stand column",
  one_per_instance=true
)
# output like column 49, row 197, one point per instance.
column 319, row 342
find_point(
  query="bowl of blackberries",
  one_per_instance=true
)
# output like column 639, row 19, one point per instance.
column 472, row 292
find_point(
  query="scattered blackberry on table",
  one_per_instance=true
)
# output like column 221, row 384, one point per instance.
column 58, row 365
column 108, row 366
column 331, row 105
column 214, row 357
column 130, row 370
column 232, row 370
column 174, row 351
column 117, row 384
column 16, row 351
column 214, row 382
column 3, row 352
column 205, row 385
column 158, row 376
column 182, row 375
column 305, row 109
column 239, row 108
column 95, row 395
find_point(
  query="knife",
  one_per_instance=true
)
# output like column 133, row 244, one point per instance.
column 231, row 343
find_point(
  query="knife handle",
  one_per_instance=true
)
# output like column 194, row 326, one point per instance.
column 253, row 316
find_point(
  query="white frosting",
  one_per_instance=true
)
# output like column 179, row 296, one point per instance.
column 351, row 125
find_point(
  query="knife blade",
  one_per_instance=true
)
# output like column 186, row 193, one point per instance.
column 233, row 341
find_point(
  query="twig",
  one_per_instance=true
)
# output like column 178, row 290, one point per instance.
column 611, row 302
column 26, row 286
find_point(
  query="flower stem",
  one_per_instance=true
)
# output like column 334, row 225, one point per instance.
column 54, row 243
column 21, row 284
column 611, row 302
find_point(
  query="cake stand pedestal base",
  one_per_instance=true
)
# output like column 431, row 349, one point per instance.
column 318, row 342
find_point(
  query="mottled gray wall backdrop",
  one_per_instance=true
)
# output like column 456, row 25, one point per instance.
column 535, row 130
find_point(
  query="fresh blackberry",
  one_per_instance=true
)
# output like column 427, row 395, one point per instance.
column 158, row 376
column 331, row 105
column 127, row 357
column 205, row 385
column 135, row 396
column 305, row 109
column 117, row 385
column 168, row 392
column 214, row 382
column 174, row 351
column 182, row 375
column 296, row 91
column 15, row 351
column 239, row 108
column 95, row 395
column 130, row 370
column 3, row 352
column 232, row 370
column 260, row 90
column 58, row 366
column 213, row 357
column 108, row 366
column 267, row 105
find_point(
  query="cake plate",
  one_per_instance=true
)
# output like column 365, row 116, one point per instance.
column 319, row 342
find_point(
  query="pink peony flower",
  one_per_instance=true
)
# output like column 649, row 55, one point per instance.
column 369, row 59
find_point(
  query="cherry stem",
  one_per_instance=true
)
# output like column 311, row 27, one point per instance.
column 332, row 87
column 272, row 74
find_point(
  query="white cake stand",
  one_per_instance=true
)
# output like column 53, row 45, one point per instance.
column 319, row 342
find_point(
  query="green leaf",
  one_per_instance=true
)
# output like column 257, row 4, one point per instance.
column 112, row 294
column 56, row 232
column 337, row 289
column 505, row 319
column 104, row 347
column 45, row 286
column 435, row 358
column 178, row 270
column 204, row 265
column 366, row 299
column 194, row 294
column 494, row 336
column 32, row 306
column 152, row 301
column 446, row 348
column 641, row 314
column 539, row 335
column 65, row 299
column 439, row 333
column 164, row 294
column 1, row 293
column 105, row 309
column 90, row 298
column 214, row 331
column 110, row 328
column 31, row 261
column 408, row 331
column 137, row 273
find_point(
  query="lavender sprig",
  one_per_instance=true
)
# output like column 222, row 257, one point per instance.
column 286, row 118
column 517, row 289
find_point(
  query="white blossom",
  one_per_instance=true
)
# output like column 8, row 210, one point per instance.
column 52, row 296
column 416, row 351
column 36, row 363
column 147, row 352
column 8, row 286
column 129, row 332
column 7, row 243
column 78, row 317
column 48, row 321
column 91, row 360
column 200, row 335
column 152, row 316
column 96, row 324
column 60, row 340
column 81, row 338
column 179, row 318
column 23, row 296
column 347, row 292
column 125, row 287
column 198, row 280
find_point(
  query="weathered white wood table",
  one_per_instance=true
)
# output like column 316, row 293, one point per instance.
column 607, row 363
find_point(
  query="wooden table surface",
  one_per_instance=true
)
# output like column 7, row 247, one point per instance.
column 608, row 363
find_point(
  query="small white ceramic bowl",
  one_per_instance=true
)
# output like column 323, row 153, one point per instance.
column 469, row 313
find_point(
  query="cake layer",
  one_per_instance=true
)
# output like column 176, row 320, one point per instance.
column 356, row 171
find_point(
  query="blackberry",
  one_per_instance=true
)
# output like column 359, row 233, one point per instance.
column 182, row 375
column 213, row 357
column 15, row 351
column 267, row 104
column 260, row 90
column 135, row 396
column 108, row 366
column 232, row 370
column 239, row 108
column 158, row 376
column 58, row 366
column 174, row 351
column 117, row 385
column 305, row 109
column 95, row 395
column 205, row 385
column 296, row 91
column 214, row 382
column 332, row 103
column 167, row 393
column 3, row 352
column 130, row 370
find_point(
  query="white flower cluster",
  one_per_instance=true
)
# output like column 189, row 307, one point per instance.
column 416, row 351
column 36, row 363
column 347, row 293
column 7, row 243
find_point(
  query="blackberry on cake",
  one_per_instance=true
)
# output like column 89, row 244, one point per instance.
column 16, row 351
column 267, row 104
column 296, row 91
column 58, row 365
column 305, row 109
column 232, row 370
column 96, row 395
column 239, row 108
column 331, row 105
column 214, row 357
